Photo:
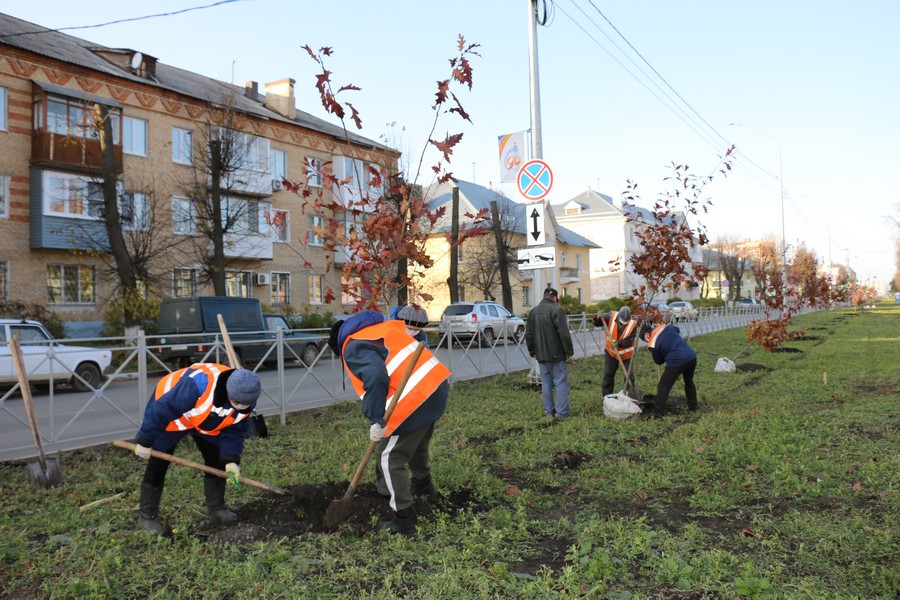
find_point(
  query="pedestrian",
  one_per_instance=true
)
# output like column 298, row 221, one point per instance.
column 210, row 402
column 667, row 347
column 550, row 343
column 621, row 341
column 376, row 353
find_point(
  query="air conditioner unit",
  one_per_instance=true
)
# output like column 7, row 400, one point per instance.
column 277, row 185
column 263, row 279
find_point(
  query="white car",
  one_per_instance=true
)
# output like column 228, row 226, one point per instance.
column 485, row 320
column 80, row 366
column 683, row 311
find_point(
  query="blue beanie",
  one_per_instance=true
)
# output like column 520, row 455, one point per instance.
column 243, row 386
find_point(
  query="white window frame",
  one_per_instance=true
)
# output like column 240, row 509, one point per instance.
column 281, row 286
column 4, row 196
column 4, row 118
column 317, row 289
column 315, row 239
column 183, row 212
column 134, row 211
column 578, row 261
column 85, row 291
column 239, row 284
column 272, row 221
column 182, row 146
column 80, row 193
column 314, row 171
column 250, row 152
column 130, row 125
column 277, row 163
column 178, row 282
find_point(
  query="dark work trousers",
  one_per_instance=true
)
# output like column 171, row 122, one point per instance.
column 610, row 366
column 155, row 474
column 394, row 453
column 669, row 376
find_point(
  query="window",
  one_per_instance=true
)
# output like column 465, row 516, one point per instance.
column 277, row 222
column 579, row 295
column 278, row 164
column 316, row 289
column 71, row 196
column 133, row 211
column 281, row 288
column 134, row 136
column 182, row 145
column 459, row 254
column 184, row 283
column 526, row 295
column 73, row 117
column 239, row 284
column 4, row 195
column 462, row 293
column 314, row 238
column 564, row 257
column 3, row 125
column 313, row 171
column 251, row 152
column 184, row 215
column 578, row 261
column 4, row 280
column 70, row 284
column 240, row 216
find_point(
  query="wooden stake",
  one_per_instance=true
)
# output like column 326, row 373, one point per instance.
column 101, row 501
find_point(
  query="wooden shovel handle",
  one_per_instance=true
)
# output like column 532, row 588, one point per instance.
column 387, row 415
column 25, row 388
column 229, row 349
column 211, row 470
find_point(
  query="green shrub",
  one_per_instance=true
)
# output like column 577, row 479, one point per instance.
column 16, row 309
column 708, row 303
column 571, row 305
column 308, row 319
column 146, row 309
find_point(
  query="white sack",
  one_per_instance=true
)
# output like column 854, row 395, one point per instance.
column 725, row 365
column 620, row 407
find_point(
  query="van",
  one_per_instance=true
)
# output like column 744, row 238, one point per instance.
column 243, row 317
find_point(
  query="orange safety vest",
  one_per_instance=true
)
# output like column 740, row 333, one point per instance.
column 654, row 335
column 204, row 412
column 620, row 333
column 427, row 375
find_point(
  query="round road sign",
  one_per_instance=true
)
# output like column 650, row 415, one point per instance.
column 535, row 179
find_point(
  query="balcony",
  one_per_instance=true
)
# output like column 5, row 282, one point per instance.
column 58, row 151
column 247, row 245
column 568, row 275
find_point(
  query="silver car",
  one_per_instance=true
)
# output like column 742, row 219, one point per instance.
column 683, row 311
column 487, row 321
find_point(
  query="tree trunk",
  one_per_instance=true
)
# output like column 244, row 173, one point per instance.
column 452, row 280
column 502, row 258
column 217, row 266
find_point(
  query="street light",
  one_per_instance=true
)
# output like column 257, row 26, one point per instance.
column 781, row 185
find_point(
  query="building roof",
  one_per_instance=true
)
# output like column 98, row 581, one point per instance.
column 474, row 198
column 23, row 35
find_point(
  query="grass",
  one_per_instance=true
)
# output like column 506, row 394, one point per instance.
column 782, row 486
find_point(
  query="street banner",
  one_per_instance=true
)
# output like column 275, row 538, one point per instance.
column 512, row 155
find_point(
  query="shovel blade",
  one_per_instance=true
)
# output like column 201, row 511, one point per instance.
column 338, row 512
column 49, row 478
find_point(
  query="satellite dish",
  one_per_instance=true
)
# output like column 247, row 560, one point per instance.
column 136, row 59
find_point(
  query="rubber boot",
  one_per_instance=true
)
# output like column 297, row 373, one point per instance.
column 423, row 487
column 215, row 500
column 149, row 508
column 403, row 522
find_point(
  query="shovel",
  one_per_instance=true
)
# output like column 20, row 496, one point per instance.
column 631, row 388
column 339, row 510
column 46, row 472
column 211, row 470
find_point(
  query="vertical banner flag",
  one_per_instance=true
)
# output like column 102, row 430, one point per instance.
column 512, row 155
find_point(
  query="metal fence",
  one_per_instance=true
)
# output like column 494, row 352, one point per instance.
column 69, row 419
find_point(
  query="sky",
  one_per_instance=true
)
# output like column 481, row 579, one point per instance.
column 806, row 90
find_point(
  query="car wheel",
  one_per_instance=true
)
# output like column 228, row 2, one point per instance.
column 519, row 336
column 90, row 374
column 487, row 338
column 310, row 354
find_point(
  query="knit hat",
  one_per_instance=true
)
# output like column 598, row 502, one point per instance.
column 413, row 315
column 243, row 386
column 624, row 315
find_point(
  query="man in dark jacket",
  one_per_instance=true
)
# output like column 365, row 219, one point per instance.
column 376, row 353
column 667, row 347
column 550, row 343
column 211, row 403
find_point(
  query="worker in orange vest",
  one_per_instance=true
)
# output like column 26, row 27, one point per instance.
column 621, row 340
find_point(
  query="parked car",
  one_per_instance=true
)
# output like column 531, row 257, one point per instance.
column 747, row 304
column 306, row 345
column 683, row 311
column 660, row 308
column 89, row 364
column 248, row 329
column 488, row 321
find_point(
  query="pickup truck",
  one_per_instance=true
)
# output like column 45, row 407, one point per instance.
column 82, row 367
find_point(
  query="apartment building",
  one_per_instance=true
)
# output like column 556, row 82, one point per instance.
column 163, row 119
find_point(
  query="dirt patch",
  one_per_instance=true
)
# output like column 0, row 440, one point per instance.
column 805, row 338
column 752, row 367
column 788, row 350
column 295, row 516
column 550, row 552
column 569, row 460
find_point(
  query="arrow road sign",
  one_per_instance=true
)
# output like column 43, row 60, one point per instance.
column 537, row 258
column 534, row 217
column 535, row 179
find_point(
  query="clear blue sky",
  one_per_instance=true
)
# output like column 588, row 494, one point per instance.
column 817, row 79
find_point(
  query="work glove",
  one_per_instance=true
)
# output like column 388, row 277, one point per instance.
column 615, row 344
column 142, row 451
column 376, row 432
column 234, row 474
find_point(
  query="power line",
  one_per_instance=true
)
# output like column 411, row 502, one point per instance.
column 167, row 14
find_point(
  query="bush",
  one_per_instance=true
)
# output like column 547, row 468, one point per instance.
column 708, row 303
column 147, row 310
column 608, row 305
column 15, row 309
column 571, row 305
column 308, row 319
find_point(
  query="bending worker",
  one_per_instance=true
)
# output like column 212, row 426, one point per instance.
column 621, row 339
column 376, row 354
column 211, row 403
column 667, row 347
